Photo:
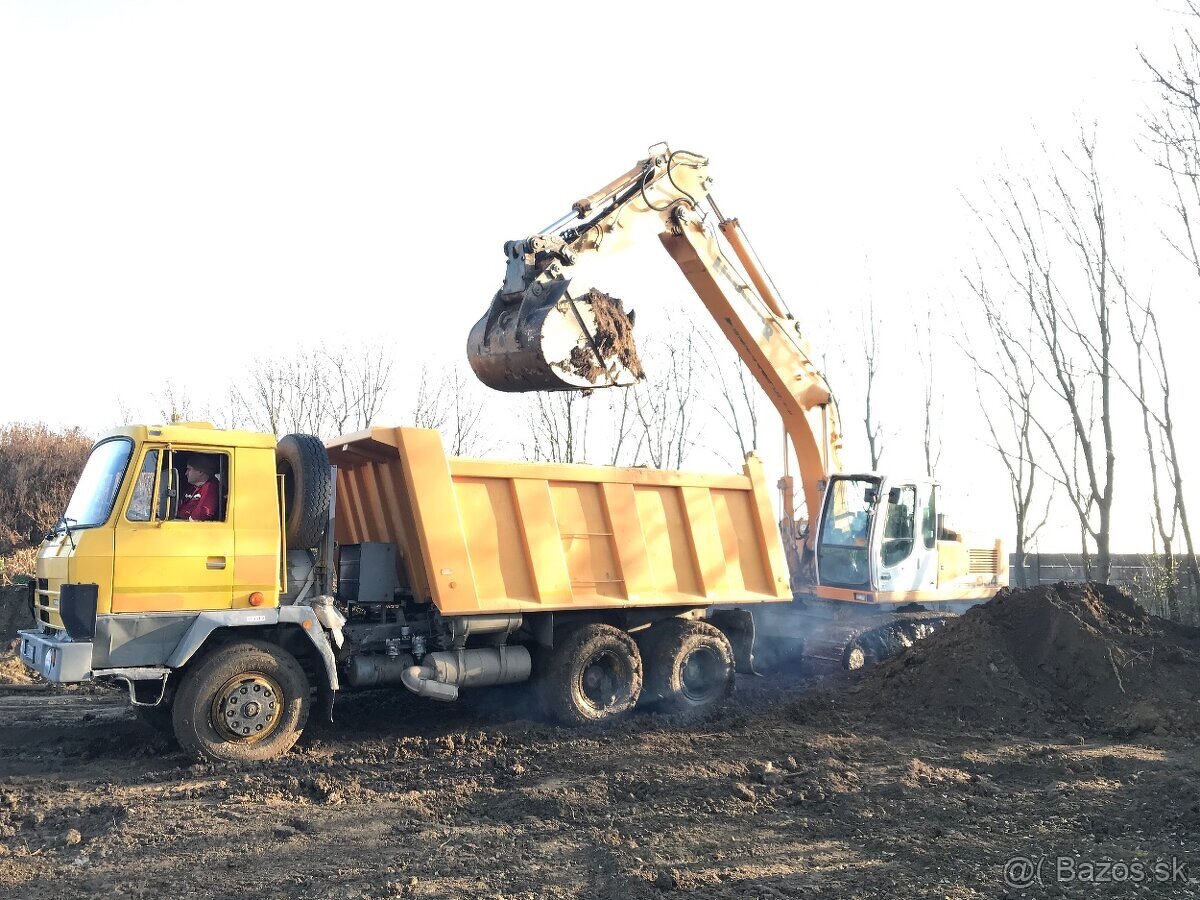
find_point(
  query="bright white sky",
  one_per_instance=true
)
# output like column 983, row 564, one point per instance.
column 188, row 187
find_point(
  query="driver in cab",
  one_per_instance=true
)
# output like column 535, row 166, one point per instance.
column 199, row 502
column 852, row 530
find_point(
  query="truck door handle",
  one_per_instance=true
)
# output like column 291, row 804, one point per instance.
column 216, row 562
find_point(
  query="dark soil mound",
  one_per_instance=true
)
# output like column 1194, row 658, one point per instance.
column 1085, row 654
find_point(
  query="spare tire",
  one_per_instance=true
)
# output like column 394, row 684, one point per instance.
column 302, row 461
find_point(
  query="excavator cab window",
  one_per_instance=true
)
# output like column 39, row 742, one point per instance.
column 898, row 532
column 842, row 555
column 929, row 520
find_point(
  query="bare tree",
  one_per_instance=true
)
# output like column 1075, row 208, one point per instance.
column 870, row 348
column 665, row 408
column 732, row 395
column 1174, row 132
column 282, row 395
column 1010, row 377
column 556, row 426
column 1166, row 534
column 931, row 397
column 622, row 416
column 175, row 404
column 358, row 381
column 1070, row 314
column 1174, row 128
column 445, row 400
column 1158, row 427
column 321, row 390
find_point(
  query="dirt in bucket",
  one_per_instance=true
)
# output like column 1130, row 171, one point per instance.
column 613, row 338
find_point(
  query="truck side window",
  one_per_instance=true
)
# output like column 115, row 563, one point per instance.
column 141, row 503
column 203, row 480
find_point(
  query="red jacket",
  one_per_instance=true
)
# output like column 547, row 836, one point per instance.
column 200, row 503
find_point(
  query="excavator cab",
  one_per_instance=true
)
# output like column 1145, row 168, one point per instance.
column 878, row 535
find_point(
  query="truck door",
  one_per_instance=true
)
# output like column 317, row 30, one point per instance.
column 164, row 563
column 900, row 549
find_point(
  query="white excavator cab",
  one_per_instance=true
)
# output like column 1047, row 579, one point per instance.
column 878, row 534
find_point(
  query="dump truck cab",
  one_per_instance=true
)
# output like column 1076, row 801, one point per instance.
column 122, row 545
column 168, row 560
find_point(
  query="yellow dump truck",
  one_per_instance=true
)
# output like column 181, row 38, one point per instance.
column 230, row 580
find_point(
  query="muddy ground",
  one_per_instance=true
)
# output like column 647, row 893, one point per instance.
column 899, row 783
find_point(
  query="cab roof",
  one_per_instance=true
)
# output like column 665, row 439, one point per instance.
column 201, row 434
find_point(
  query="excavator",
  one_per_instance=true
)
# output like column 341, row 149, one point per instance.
column 873, row 565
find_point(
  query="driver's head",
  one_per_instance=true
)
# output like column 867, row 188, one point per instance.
column 200, row 467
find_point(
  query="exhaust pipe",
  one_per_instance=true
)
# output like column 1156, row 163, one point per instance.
column 420, row 681
column 441, row 674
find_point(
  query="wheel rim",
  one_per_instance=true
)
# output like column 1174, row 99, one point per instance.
column 247, row 708
column 601, row 681
column 701, row 674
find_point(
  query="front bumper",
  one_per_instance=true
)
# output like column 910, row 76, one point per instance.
column 56, row 657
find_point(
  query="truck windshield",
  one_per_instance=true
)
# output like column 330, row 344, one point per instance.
column 98, row 485
column 842, row 552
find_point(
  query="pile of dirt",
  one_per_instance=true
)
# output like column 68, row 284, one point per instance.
column 614, row 338
column 1081, row 654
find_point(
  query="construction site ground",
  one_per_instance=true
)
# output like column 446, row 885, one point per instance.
column 1073, row 739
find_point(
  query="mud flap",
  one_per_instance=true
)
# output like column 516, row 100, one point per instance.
column 325, row 698
column 738, row 626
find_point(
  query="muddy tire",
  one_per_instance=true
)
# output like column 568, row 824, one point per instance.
column 302, row 461
column 689, row 666
column 593, row 673
column 246, row 701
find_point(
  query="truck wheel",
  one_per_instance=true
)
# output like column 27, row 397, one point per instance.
column 594, row 672
column 246, row 701
column 689, row 666
column 302, row 461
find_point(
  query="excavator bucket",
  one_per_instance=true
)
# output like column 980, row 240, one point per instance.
column 544, row 339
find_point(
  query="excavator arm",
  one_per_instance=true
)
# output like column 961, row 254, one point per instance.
column 549, row 328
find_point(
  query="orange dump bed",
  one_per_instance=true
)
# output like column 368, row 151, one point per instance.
column 483, row 536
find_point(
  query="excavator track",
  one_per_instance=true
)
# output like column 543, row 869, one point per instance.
column 874, row 645
column 833, row 641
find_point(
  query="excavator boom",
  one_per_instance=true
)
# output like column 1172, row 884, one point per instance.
column 548, row 328
column 869, row 540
